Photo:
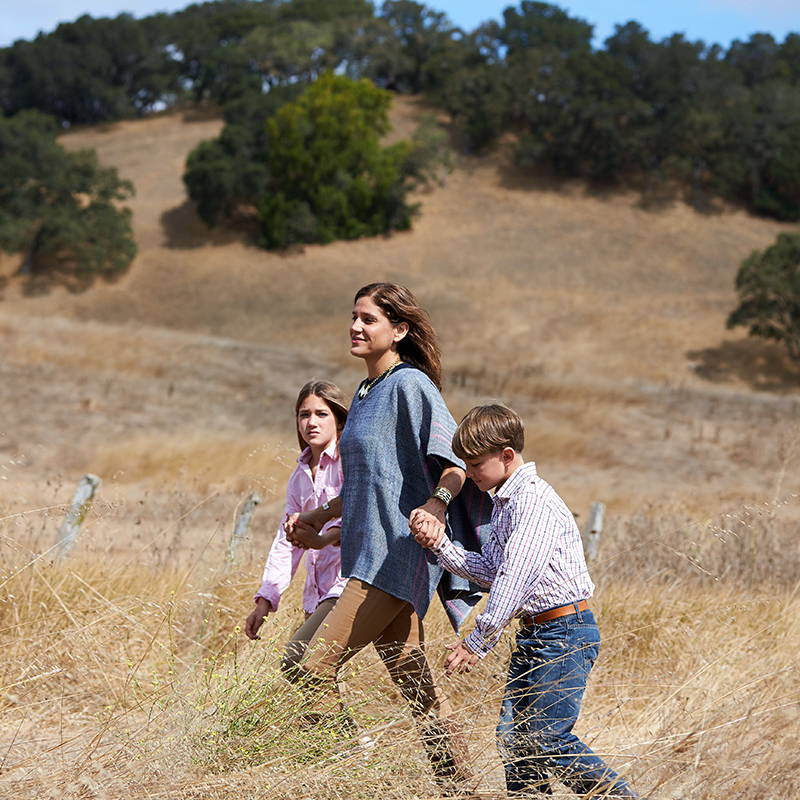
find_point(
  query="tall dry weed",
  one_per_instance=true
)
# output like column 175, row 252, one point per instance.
column 124, row 679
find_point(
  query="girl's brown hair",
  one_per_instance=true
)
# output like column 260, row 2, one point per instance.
column 333, row 397
column 419, row 347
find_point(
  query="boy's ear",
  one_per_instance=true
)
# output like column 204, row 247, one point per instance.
column 509, row 454
column 400, row 331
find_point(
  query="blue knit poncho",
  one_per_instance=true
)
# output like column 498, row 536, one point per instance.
column 393, row 448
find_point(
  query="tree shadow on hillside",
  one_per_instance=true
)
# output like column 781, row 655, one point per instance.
column 653, row 196
column 543, row 179
column 201, row 113
column 184, row 230
column 762, row 365
column 50, row 272
column 40, row 283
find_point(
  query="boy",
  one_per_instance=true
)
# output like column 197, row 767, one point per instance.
column 534, row 565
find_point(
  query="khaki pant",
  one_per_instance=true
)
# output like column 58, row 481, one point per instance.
column 296, row 646
column 363, row 615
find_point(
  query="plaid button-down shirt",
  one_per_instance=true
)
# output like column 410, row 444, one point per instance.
column 532, row 561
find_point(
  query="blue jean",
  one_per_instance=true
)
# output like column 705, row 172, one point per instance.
column 546, row 681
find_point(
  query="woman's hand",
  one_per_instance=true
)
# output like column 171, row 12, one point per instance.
column 427, row 522
column 255, row 618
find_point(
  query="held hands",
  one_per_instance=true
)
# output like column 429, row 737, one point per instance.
column 461, row 658
column 306, row 537
column 255, row 618
column 302, row 530
column 427, row 523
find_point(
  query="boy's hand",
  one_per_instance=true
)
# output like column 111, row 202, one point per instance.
column 427, row 523
column 461, row 658
column 428, row 539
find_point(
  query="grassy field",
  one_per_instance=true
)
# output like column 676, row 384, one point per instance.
column 124, row 673
column 131, row 678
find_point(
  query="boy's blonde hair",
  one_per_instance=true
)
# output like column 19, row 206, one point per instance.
column 486, row 429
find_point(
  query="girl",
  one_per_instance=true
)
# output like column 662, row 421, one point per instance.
column 398, row 466
column 320, row 414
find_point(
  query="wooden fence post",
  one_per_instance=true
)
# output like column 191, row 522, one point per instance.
column 78, row 509
column 592, row 531
column 243, row 517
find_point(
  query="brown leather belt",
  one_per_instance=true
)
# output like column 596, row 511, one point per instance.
column 554, row 613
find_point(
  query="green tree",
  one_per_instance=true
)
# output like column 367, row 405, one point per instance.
column 227, row 173
column 477, row 98
column 329, row 177
column 295, row 50
column 768, row 284
column 419, row 47
column 206, row 42
column 59, row 208
column 536, row 25
column 780, row 189
column 92, row 70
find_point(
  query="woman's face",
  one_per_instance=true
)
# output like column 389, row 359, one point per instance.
column 316, row 423
column 372, row 335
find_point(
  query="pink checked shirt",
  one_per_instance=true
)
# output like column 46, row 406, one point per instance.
column 532, row 561
column 323, row 572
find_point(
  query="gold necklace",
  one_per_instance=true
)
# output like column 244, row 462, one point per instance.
column 367, row 385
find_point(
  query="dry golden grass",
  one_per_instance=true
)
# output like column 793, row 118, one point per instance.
column 122, row 672
column 200, row 458
column 133, row 679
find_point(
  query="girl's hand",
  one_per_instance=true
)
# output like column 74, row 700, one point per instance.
column 427, row 522
column 255, row 618
column 461, row 658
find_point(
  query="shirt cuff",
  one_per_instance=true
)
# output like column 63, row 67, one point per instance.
column 478, row 645
column 445, row 547
column 270, row 594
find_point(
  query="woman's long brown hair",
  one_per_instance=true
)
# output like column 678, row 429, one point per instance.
column 419, row 347
column 333, row 397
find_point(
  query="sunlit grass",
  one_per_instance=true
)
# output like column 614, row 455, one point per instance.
column 125, row 679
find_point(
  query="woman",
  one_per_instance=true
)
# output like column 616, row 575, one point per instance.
column 398, row 467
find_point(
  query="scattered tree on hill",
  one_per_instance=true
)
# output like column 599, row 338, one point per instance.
column 91, row 70
column 409, row 47
column 245, row 167
column 60, row 208
column 230, row 47
column 768, row 283
column 329, row 177
column 225, row 174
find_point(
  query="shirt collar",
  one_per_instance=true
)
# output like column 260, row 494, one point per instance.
column 522, row 474
column 331, row 453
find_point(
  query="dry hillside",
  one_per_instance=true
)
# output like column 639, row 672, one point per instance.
column 603, row 322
